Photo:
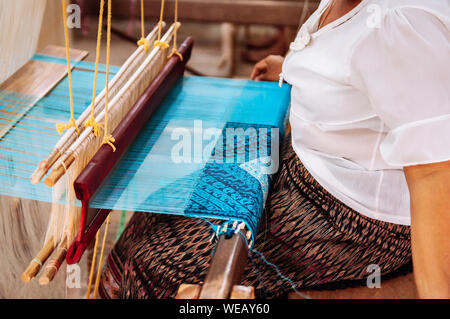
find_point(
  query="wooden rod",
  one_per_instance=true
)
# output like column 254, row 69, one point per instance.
column 35, row 265
column 59, row 171
column 227, row 267
column 53, row 266
column 44, row 167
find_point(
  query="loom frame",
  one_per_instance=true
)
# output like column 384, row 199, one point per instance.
column 103, row 162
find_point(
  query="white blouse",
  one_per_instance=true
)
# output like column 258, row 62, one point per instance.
column 370, row 95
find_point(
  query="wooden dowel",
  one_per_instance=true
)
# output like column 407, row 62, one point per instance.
column 53, row 266
column 44, row 166
column 226, row 268
column 59, row 171
column 35, row 265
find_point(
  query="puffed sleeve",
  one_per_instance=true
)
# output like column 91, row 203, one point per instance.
column 404, row 68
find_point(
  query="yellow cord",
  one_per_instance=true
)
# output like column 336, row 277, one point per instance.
column 159, row 43
column 102, row 252
column 177, row 25
column 61, row 127
column 91, row 121
column 91, row 273
column 107, row 138
column 143, row 41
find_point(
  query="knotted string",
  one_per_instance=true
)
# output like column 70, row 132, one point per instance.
column 159, row 43
column 176, row 26
column 143, row 41
column 61, row 127
column 91, row 121
column 107, row 138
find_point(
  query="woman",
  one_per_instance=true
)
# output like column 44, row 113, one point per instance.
column 365, row 176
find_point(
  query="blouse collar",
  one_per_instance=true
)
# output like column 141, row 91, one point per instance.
column 310, row 30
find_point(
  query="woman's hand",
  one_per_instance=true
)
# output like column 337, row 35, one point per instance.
column 429, row 187
column 268, row 69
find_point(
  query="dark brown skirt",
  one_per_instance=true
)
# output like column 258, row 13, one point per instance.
column 313, row 239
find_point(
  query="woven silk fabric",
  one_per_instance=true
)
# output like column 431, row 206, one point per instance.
column 223, row 178
column 183, row 161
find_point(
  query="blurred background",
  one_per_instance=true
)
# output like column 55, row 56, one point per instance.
column 230, row 35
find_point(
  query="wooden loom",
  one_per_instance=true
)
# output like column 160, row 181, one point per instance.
column 231, row 254
column 36, row 78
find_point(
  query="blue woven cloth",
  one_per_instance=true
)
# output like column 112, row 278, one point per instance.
column 32, row 128
column 230, row 179
column 181, row 163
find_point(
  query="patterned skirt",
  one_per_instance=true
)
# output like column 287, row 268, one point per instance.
column 312, row 238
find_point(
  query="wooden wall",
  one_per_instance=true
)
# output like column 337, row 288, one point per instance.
column 52, row 30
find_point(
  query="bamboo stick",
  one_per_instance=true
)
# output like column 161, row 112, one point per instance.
column 36, row 264
column 59, row 171
column 44, row 166
column 53, row 266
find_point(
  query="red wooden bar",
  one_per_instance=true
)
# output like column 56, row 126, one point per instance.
column 94, row 174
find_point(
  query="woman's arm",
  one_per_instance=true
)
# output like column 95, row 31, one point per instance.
column 268, row 69
column 429, row 187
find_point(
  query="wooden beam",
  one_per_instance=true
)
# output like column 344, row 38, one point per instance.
column 188, row 291
column 258, row 12
column 242, row 292
column 226, row 269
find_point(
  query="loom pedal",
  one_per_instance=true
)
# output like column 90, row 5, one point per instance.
column 190, row 291
column 225, row 272
column 242, row 292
